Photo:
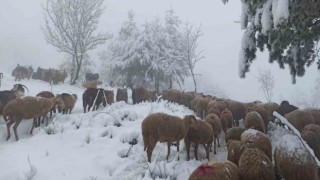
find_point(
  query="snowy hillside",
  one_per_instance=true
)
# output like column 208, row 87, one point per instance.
column 95, row 145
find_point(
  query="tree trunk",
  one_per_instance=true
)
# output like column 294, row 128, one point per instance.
column 170, row 83
column 156, row 82
column 78, row 67
column 194, row 81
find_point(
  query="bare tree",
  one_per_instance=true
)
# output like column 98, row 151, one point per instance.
column 70, row 26
column 189, row 45
column 266, row 82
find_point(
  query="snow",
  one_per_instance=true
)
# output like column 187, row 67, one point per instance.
column 280, row 11
column 90, row 146
column 247, row 42
column 266, row 17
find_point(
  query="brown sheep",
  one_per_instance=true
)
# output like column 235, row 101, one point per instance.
column 315, row 114
column 263, row 113
column 260, row 140
column 186, row 98
column 90, row 84
column 45, row 94
column 270, row 107
column 172, row 95
column 293, row 161
column 254, row 120
column 122, row 95
column 109, row 96
column 311, row 134
column 234, row 133
column 141, row 94
column 21, row 72
column 226, row 120
column 202, row 107
column 299, row 118
column 69, row 102
column 235, row 149
column 194, row 102
column 215, row 122
column 164, row 128
column 213, row 108
column 254, row 164
column 200, row 132
column 27, row 107
column 216, row 170
column 238, row 110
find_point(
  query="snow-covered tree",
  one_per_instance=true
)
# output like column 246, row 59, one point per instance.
column 289, row 29
column 266, row 81
column 190, row 54
column 124, row 52
column 70, row 26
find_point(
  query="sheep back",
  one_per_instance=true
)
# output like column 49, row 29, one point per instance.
column 254, row 120
column 293, row 161
column 300, row 118
column 315, row 114
column 260, row 140
column 216, row 170
column 235, row 149
column 254, row 164
column 311, row 134
column 238, row 110
column 234, row 133
column 215, row 122
column 226, row 120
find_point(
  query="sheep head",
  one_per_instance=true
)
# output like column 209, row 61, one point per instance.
column 57, row 101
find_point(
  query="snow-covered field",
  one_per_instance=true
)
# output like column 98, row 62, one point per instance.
column 93, row 146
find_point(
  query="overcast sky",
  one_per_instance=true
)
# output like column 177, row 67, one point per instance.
column 22, row 41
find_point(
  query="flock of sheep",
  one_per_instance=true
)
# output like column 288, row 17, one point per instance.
column 250, row 154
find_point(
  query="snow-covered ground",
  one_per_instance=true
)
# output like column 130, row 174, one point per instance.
column 93, row 146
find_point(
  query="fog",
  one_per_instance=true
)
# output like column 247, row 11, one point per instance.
column 22, row 41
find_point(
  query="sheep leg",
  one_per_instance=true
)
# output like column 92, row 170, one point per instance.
column 169, row 146
column 8, row 129
column 187, row 144
column 215, row 146
column 178, row 144
column 207, row 150
column 15, row 128
column 196, row 145
column 151, row 145
column 217, row 138
column 47, row 122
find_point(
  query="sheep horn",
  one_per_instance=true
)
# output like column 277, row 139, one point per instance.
column 24, row 87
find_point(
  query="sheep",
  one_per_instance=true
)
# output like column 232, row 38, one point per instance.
column 234, row 133
column 8, row 95
column 172, row 95
column 200, row 132
column 254, row 164
column 109, row 96
column 260, row 140
column 226, row 120
column 238, row 110
column 235, row 149
column 27, row 107
column 45, row 94
column 299, row 118
column 213, row 108
column 254, row 120
column 216, row 170
column 186, row 98
column 315, row 114
column 164, row 128
column 69, row 102
column 122, row 95
column 21, row 72
column 215, row 122
column 263, row 113
column 194, row 102
column 270, row 107
column 90, row 84
column 202, row 107
column 92, row 95
column 59, row 76
column 284, row 109
column 141, row 94
column 293, row 161
column 311, row 134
